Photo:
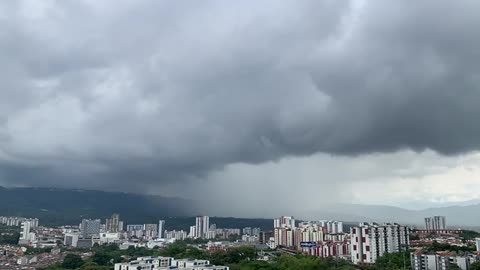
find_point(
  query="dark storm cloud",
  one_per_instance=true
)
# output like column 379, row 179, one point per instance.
column 145, row 92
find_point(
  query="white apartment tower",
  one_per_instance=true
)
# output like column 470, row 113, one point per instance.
column 370, row 241
column 192, row 232
column 283, row 229
column 202, row 224
column 332, row 227
column 161, row 228
column 435, row 223
column 114, row 224
column 25, row 230
column 284, row 222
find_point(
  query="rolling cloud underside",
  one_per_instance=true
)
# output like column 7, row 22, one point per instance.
column 160, row 91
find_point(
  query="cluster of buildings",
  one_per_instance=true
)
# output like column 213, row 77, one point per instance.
column 318, row 238
column 371, row 241
column 443, row 260
column 435, row 223
column 92, row 231
column 26, row 234
column 26, row 226
column 15, row 257
column 204, row 230
column 16, row 221
column 363, row 245
column 166, row 263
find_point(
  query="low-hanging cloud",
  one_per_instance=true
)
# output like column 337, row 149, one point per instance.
column 128, row 94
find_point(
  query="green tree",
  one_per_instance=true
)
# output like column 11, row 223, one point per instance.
column 94, row 266
column 475, row 266
column 454, row 267
column 102, row 258
column 72, row 261
column 393, row 261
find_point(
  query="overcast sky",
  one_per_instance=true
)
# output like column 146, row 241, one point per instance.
column 244, row 103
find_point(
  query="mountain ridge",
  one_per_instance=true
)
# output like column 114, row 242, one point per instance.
column 57, row 206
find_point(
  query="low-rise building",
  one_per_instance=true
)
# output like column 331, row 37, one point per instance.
column 165, row 263
column 440, row 260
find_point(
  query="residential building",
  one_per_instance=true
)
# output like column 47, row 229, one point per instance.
column 114, row 224
column 135, row 227
column 340, row 249
column 332, row 227
column 256, row 231
column 440, row 260
column 161, row 228
column 477, row 243
column 264, row 237
column 202, row 226
column 211, row 234
column 146, row 263
column 16, row 221
column 247, row 231
column 225, row 233
column 71, row 239
column 284, row 228
column 90, row 228
column 308, row 232
column 370, row 241
column 284, row 222
column 108, row 238
column 150, row 231
column 435, row 223
column 165, row 263
column 177, row 235
column 26, row 236
column 192, row 233
column 284, row 237
column 25, row 228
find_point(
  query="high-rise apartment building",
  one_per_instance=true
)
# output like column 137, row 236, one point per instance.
column 284, row 222
column 192, row 233
column 90, row 228
column 435, row 223
column 442, row 261
column 161, row 228
column 202, row 225
column 308, row 232
column 151, row 231
column 113, row 224
column 370, row 241
column 283, row 231
column 264, row 237
column 25, row 228
column 332, row 227
column 135, row 227
column 16, row 221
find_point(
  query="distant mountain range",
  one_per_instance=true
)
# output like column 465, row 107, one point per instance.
column 459, row 215
column 68, row 206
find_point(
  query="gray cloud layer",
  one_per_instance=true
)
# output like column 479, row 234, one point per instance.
column 136, row 93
